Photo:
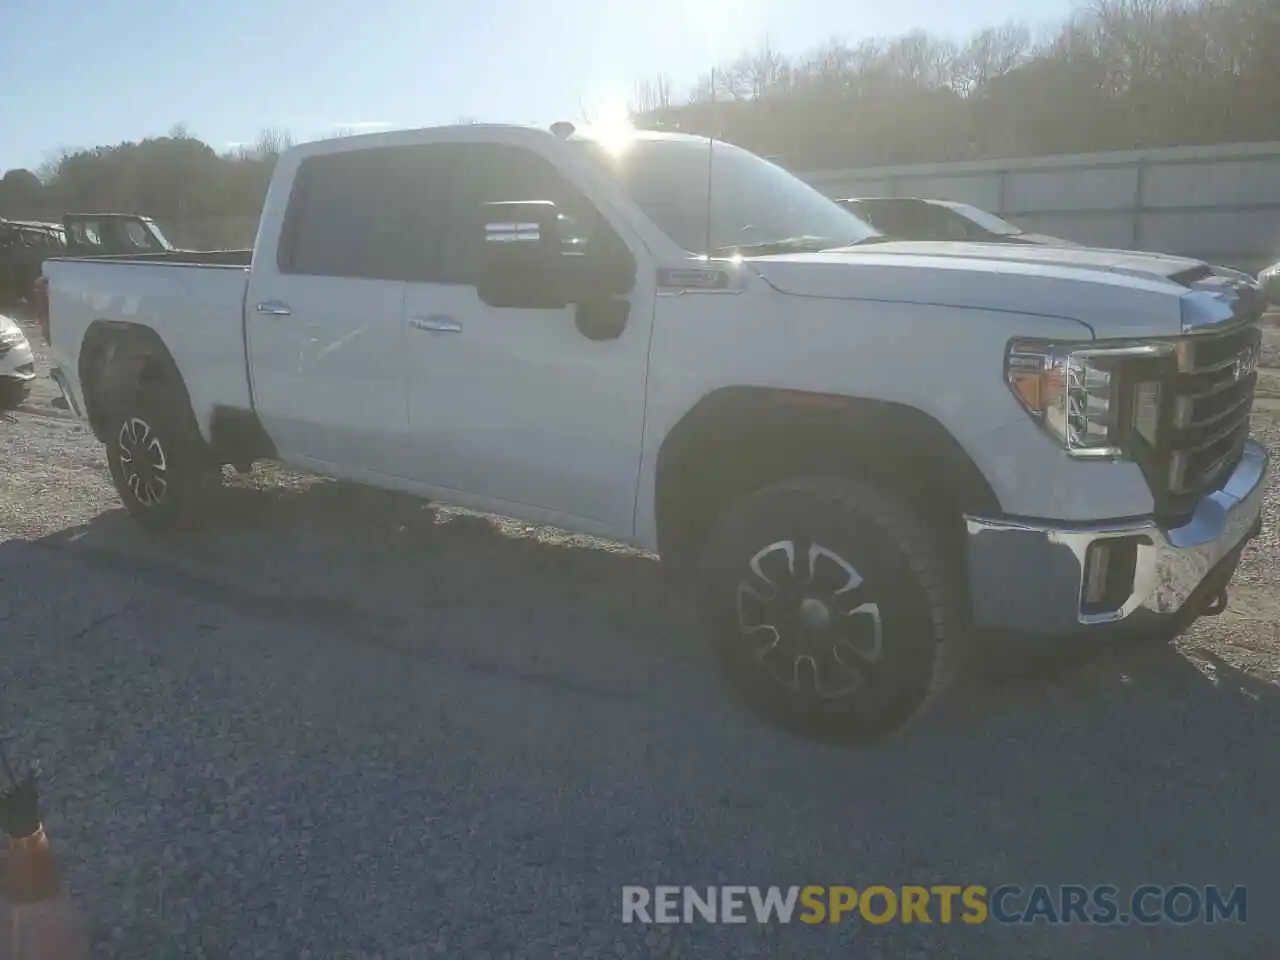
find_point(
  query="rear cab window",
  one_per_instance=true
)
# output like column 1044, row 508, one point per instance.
column 365, row 214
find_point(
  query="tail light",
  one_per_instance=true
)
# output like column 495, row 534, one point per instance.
column 40, row 300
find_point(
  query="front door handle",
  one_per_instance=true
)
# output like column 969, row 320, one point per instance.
column 436, row 323
column 274, row 308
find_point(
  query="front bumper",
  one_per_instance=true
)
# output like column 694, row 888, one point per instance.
column 1030, row 576
column 17, row 361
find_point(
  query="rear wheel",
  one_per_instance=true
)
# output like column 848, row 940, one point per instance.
column 159, row 463
column 830, row 607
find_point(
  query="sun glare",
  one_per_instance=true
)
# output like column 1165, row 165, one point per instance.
column 610, row 124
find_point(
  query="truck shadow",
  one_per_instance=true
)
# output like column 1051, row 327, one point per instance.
column 497, row 594
column 1137, row 765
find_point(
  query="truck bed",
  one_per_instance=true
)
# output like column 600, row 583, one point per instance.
column 220, row 258
column 200, row 293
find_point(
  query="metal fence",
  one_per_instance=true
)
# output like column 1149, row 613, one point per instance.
column 1218, row 203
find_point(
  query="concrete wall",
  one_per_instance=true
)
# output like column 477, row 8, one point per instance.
column 1219, row 203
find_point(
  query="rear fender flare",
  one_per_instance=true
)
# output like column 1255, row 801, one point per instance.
column 117, row 356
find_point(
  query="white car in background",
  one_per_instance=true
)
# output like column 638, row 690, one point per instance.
column 17, row 364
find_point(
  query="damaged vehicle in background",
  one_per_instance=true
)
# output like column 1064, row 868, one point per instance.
column 24, row 246
column 113, row 234
column 913, row 218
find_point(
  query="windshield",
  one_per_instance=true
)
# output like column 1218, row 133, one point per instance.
column 987, row 221
column 159, row 237
column 754, row 203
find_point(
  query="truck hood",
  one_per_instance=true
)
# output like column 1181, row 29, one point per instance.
column 1116, row 293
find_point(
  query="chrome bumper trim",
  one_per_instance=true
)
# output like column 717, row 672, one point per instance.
column 1029, row 575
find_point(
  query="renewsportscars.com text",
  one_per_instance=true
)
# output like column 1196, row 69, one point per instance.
column 941, row 903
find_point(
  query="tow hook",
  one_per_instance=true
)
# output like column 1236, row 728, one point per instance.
column 1216, row 605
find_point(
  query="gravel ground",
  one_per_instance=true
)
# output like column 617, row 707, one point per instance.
column 1271, row 341
column 1269, row 372
column 347, row 724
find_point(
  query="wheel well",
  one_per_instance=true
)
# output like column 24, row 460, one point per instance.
column 737, row 440
column 117, row 356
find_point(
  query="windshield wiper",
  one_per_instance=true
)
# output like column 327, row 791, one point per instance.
column 802, row 244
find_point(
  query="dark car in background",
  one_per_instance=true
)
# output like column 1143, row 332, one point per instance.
column 113, row 234
column 24, row 247
column 26, row 244
column 914, row 218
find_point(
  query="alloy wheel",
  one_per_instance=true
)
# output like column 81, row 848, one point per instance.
column 143, row 462
column 809, row 621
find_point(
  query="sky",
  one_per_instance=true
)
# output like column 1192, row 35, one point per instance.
column 82, row 73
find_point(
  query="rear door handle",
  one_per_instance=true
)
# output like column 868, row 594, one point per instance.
column 274, row 308
column 436, row 323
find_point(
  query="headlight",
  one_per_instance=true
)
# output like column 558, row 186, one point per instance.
column 1093, row 399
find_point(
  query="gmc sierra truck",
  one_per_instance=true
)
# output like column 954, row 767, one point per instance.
column 862, row 457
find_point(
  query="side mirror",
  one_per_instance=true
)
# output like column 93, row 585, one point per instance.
column 524, row 256
column 535, row 258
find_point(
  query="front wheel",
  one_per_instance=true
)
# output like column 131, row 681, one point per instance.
column 830, row 607
column 159, row 464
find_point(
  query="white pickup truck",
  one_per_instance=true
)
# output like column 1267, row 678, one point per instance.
column 862, row 456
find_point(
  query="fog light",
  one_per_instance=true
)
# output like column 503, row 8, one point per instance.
column 1109, row 569
column 1097, row 561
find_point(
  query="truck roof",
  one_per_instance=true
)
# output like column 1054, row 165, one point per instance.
column 410, row 135
column 105, row 213
column 37, row 224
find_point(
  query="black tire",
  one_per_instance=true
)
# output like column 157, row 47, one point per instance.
column 853, row 631
column 159, row 463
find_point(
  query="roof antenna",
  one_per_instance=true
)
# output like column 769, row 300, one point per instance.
column 711, row 151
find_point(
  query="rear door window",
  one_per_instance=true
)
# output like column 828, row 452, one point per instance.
column 370, row 214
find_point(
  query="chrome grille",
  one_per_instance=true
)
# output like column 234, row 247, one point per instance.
column 1213, row 391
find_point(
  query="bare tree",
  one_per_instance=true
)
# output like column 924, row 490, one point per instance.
column 271, row 142
column 990, row 53
column 651, row 95
column 758, row 74
column 703, row 89
column 1119, row 74
column 48, row 168
column 920, row 60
